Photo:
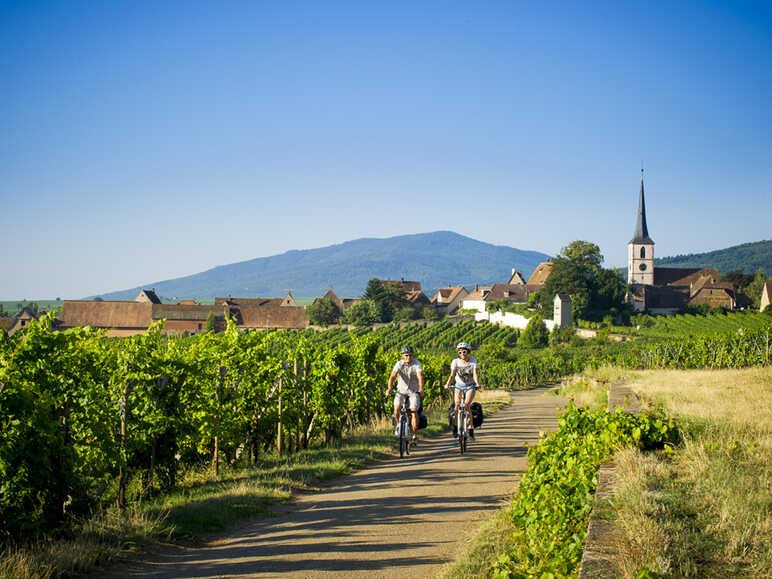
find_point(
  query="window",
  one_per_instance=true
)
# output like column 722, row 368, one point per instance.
column 643, row 252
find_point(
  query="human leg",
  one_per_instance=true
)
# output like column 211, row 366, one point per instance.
column 468, row 403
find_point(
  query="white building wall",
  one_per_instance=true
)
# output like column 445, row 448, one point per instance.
column 509, row 319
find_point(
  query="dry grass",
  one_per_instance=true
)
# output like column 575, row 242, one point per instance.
column 584, row 391
column 101, row 539
column 705, row 510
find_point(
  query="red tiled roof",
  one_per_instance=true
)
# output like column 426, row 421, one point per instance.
column 106, row 314
column 541, row 273
column 272, row 316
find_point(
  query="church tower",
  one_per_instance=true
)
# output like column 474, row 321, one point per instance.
column 640, row 249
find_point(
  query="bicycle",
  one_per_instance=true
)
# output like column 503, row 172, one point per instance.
column 404, row 430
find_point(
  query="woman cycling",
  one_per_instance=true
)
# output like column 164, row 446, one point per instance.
column 464, row 370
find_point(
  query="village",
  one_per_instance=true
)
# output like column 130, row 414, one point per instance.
column 655, row 290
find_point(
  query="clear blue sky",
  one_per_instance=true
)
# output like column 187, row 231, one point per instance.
column 143, row 141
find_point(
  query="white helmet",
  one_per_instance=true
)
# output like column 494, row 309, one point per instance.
column 463, row 346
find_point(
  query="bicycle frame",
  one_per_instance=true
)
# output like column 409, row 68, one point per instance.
column 462, row 427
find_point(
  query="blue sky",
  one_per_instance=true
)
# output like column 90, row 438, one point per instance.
column 145, row 141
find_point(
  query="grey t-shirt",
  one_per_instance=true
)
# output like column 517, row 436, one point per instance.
column 464, row 371
column 407, row 375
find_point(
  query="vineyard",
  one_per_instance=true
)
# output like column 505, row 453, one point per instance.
column 89, row 421
column 694, row 325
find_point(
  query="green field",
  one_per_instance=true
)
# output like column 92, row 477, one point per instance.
column 13, row 307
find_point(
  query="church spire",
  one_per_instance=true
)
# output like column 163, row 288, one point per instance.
column 641, row 231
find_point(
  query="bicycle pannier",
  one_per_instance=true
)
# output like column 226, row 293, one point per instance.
column 477, row 413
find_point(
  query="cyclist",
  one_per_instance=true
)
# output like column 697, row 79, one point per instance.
column 464, row 370
column 409, row 373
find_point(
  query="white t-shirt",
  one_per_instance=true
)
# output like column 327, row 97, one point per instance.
column 407, row 375
column 464, row 371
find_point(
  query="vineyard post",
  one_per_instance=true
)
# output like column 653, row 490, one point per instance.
column 278, row 432
column 125, row 409
column 222, row 371
column 297, row 429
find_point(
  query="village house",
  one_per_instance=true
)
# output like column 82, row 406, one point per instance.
column 122, row 318
column 516, row 278
column 341, row 303
column 412, row 292
column 766, row 295
column 13, row 324
column 539, row 277
column 484, row 295
column 449, row 299
column 148, row 297
column 664, row 290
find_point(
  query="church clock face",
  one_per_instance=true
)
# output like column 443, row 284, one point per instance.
column 642, row 267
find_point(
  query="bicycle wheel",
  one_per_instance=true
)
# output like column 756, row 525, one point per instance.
column 461, row 421
column 403, row 446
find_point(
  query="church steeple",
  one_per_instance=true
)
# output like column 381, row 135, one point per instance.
column 640, row 249
column 641, row 231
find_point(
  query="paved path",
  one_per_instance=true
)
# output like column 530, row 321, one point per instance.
column 398, row 518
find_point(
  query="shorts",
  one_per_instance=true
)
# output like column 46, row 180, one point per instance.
column 466, row 387
column 414, row 400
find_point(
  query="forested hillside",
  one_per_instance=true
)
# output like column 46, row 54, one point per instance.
column 435, row 259
column 748, row 258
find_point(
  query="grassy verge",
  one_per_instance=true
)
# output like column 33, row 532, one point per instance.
column 584, row 391
column 705, row 510
column 202, row 506
column 494, row 537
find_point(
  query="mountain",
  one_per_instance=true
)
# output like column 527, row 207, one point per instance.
column 435, row 259
column 748, row 258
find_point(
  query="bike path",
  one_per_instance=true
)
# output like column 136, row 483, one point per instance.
column 397, row 518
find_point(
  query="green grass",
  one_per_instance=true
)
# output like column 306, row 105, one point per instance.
column 11, row 308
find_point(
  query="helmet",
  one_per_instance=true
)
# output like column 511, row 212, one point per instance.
column 463, row 345
column 407, row 350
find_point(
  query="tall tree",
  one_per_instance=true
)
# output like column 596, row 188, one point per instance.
column 576, row 271
column 323, row 312
column 387, row 297
column 754, row 289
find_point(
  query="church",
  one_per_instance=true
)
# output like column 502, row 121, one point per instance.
column 667, row 290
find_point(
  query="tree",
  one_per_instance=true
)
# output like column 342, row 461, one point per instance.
column 754, row 289
column 429, row 313
column 387, row 297
column 405, row 314
column 595, row 292
column 376, row 293
column 323, row 312
column 362, row 313
column 210, row 322
column 535, row 334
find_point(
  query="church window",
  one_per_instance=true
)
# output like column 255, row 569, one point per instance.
column 643, row 252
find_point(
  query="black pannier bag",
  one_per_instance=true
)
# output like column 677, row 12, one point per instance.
column 450, row 413
column 423, row 422
column 477, row 413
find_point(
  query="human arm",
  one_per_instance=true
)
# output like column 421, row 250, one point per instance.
column 391, row 382
column 452, row 375
column 476, row 378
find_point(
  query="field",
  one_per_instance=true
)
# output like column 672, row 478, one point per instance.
column 705, row 510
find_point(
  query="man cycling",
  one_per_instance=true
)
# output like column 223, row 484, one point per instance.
column 464, row 370
column 409, row 373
